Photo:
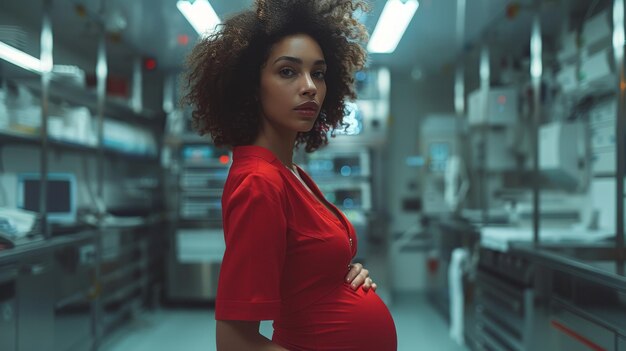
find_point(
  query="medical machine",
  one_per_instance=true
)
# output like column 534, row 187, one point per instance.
column 60, row 199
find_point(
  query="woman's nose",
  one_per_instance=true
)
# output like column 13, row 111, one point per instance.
column 308, row 86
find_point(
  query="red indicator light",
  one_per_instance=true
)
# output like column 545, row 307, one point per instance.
column 502, row 99
column 183, row 39
column 512, row 10
column 224, row 159
column 150, row 64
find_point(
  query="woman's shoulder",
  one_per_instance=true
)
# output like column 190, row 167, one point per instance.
column 257, row 173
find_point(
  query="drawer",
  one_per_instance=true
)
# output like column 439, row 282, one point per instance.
column 576, row 333
column 500, row 296
column 505, row 322
column 487, row 339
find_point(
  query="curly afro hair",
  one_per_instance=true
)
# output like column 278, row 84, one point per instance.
column 224, row 68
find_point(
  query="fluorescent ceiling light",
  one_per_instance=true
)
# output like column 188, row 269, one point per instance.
column 200, row 14
column 391, row 25
column 19, row 58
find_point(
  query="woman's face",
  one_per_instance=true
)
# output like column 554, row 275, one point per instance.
column 292, row 84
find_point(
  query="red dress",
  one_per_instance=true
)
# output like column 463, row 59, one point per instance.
column 286, row 259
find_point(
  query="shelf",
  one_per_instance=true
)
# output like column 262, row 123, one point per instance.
column 114, row 109
column 7, row 136
column 11, row 137
column 123, row 293
column 124, row 272
column 110, row 319
column 60, row 90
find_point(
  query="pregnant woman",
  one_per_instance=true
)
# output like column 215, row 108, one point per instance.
column 269, row 80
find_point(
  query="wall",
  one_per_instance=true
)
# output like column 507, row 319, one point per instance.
column 411, row 101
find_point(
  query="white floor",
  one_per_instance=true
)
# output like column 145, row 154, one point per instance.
column 419, row 327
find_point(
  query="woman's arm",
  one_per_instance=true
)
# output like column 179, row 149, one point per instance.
column 242, row 336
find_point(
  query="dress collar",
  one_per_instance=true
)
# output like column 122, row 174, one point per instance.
column 254, row 151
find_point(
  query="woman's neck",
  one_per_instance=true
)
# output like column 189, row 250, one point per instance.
column 281, row 147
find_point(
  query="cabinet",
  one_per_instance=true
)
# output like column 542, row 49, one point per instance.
column 46, row 295
column 621, row 343
column 35, row 302
column 504, row 302
column 74, row 272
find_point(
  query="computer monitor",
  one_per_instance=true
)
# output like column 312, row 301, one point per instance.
column 61, row 199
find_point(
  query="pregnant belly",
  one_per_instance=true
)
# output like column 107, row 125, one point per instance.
column 343, row 320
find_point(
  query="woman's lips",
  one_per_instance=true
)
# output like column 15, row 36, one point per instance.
column 307, row 112
column 307, row 109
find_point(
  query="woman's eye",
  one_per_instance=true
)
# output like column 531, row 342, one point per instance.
column 287, row 72
column 319, row 75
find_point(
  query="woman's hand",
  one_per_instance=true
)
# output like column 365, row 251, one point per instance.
column 358, row 276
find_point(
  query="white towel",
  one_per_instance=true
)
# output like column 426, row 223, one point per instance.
column 458, row 263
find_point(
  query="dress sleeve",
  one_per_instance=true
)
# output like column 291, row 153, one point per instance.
column 255, row 231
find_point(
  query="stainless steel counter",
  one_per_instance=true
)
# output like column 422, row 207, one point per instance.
column 23, row 250
column 71, row 290
column 594, row 262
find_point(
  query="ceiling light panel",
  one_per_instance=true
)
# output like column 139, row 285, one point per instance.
column 201, row 15
column 391, row 25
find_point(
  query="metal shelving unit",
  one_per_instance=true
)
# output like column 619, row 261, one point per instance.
column 109, row 289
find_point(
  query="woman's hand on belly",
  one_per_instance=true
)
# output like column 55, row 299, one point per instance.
column 359, row 276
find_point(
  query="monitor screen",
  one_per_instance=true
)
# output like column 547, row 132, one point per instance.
column 438, row 153
column 61, row 202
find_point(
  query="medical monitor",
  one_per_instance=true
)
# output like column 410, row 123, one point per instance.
column 61, row 199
